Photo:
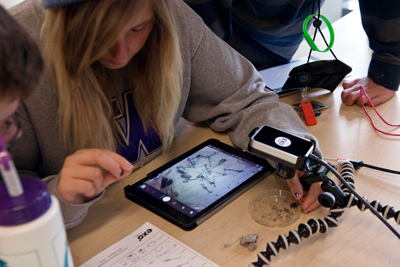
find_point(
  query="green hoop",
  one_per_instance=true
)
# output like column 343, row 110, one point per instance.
column 308, row 38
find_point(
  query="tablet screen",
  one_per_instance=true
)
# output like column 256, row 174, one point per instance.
column 201, row 179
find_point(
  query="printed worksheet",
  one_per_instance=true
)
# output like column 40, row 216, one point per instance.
column 148, row 246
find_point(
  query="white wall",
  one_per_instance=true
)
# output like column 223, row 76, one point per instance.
column 9, row 3
column 331, row 9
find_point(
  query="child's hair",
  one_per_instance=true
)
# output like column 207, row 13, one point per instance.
column 76, row 35
column 20, row 60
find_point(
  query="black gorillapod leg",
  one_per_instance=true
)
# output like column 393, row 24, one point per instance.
column 388, row 212
column 348, row 199
column 342, row 198
column 304, row 230
column 335, row 200
column 355, row 195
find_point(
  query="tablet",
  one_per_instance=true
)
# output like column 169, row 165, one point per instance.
column 192, row 187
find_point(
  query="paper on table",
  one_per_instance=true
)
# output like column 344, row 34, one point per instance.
column 275, row 77
column 148, row 246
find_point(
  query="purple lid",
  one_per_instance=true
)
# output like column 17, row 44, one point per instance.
column 27, row 207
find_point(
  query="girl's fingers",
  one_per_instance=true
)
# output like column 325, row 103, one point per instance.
column 105, row 159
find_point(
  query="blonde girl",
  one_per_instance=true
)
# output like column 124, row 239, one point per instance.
column 120, row 75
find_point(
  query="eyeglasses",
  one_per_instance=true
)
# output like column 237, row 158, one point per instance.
column 11, row 129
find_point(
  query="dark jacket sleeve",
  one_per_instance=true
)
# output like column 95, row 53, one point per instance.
column 381, row 20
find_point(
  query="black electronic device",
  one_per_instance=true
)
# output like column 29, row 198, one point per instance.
column 192, row 187
column 287, row 149
column 337, row 199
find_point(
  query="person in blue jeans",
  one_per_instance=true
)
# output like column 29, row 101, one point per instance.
column 268, row 33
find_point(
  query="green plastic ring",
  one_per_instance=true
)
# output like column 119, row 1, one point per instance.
column 310, row 40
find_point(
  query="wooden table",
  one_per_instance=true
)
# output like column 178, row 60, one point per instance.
column 360, row 239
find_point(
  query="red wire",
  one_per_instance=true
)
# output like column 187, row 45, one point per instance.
column 362, row 92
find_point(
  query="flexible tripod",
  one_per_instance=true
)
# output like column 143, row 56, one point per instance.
column 334, row 198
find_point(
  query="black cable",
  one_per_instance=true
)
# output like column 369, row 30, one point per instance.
column 381, row 169
column 323, row 37
column 358, row 164
column 313, row 7
column 313, row 226
column 366, row 203
column 318, row 29
column 315, row 32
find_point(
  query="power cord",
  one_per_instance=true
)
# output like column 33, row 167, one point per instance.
column 359, row 163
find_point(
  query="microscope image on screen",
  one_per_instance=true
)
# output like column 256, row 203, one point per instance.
column 204, row 177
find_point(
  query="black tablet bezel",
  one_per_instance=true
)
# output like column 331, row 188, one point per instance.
column 133, row 193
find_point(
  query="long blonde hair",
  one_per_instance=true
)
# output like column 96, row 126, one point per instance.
column 76, row 35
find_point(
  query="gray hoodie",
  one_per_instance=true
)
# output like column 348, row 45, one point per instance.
column 220, row 87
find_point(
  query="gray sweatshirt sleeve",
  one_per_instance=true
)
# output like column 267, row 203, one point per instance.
column 39, row 152
column 228, row 93
column 72, row 214
column 28, row 159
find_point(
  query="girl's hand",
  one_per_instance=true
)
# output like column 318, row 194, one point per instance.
column 87, row 172
column 308, row 198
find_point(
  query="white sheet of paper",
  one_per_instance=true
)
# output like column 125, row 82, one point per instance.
column 148, row 246
column 275, row 77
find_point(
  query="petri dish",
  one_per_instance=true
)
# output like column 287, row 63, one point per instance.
column 275, row 208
